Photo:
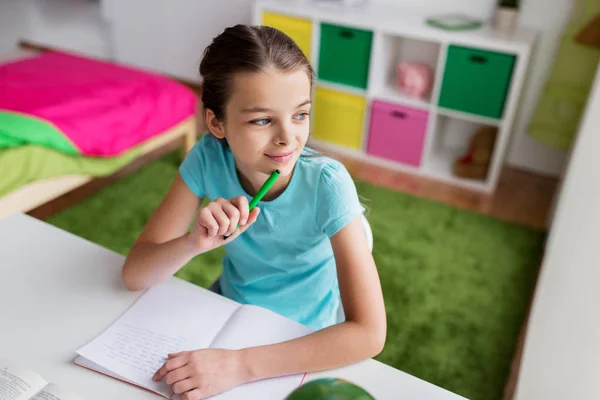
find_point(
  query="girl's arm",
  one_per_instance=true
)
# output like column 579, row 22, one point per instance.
column 162, row 247
column 363, row 334
column 165, row 245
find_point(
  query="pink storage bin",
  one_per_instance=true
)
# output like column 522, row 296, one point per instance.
column 397, row 132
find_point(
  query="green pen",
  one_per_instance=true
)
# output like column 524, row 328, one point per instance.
column 261, row 193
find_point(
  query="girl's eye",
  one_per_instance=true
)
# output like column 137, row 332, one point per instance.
column 261, row 122
column 301, row 116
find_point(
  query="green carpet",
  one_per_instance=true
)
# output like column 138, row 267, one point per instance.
column 456, row 284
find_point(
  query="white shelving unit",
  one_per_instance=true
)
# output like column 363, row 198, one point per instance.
column 398, row 35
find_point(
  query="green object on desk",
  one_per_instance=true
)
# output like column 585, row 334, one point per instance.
column 329, row 389
column 261, row 193
column 454, row 22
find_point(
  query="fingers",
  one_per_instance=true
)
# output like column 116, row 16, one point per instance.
column 207, row 220
column 183, row 386
column 222, row 217
column 242, row 205
column 169, row 365
column 251, row 219
column 177, row 375
column 252, row 216
column 216, row 208
column 195, row 394
column 234, row 217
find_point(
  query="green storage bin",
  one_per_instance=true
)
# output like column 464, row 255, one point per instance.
column 344, row 55
column 476, row 81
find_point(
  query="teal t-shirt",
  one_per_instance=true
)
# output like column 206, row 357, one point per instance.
column 284, row 261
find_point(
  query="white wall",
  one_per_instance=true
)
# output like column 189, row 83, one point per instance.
column 171, row 35
column 561, row 359
column 154, row 41
column 524, row 152
column 75, row 25
column 14, row 23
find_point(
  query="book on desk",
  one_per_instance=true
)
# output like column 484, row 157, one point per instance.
column 169, row 319
column 19, row 382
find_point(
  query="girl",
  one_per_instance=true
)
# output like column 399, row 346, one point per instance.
column 302, row 252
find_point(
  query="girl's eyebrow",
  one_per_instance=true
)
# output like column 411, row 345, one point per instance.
column 255, row 110
column 303, row 103
column 264, row 109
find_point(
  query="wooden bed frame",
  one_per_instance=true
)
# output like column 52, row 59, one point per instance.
column 35, row 194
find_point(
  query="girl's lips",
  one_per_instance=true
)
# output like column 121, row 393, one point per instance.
column 281, row 158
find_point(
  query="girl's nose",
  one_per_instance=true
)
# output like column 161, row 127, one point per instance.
column 284, row 136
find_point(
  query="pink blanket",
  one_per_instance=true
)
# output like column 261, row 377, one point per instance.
column 102, row 108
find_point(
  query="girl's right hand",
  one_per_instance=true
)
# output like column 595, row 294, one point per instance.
column 218, row 219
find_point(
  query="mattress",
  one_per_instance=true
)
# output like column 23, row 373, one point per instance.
column 90, row 118
column 83, row 106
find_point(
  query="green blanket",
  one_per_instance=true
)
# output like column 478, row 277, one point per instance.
column 24, row 164
column 19, row 130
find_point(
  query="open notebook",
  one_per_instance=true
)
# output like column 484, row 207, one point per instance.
column 170, row 318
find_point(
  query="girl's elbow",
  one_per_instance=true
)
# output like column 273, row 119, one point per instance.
column 378, row 343
column 129, row 280
column 374, row 338
column 378, row 336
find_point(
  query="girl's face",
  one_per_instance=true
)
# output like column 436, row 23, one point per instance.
column 266, row 123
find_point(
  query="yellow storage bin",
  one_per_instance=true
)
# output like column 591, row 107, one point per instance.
column 299, row 29
column 338, row 117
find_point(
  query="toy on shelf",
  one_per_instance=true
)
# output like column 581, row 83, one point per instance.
column 475, row 163
column 414, row 79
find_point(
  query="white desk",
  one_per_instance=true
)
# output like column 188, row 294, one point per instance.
column 58, row 291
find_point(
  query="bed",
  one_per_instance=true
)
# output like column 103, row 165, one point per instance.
column 66, row 119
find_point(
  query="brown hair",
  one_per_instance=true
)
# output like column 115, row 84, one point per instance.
column 243, row 48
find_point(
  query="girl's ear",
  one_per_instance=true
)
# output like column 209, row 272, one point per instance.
column 214, row 125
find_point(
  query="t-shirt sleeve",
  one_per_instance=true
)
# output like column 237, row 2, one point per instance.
column 192, row 168
column 337, row 201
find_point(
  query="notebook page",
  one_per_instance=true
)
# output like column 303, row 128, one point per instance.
column 165, row 319
column 54, row 392
column 255, row 326
column 18, row 382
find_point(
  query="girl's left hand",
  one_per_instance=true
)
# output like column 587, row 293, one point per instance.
column 202, row 373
